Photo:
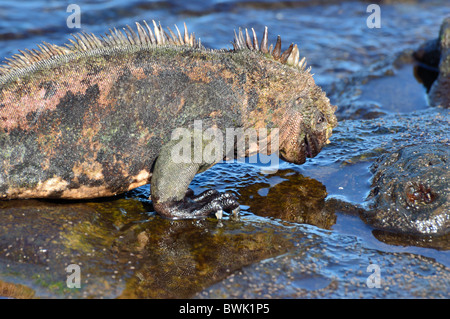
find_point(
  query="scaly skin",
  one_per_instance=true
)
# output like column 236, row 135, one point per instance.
column 90, row 123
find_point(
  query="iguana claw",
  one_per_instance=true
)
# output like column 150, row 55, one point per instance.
column 198, row 206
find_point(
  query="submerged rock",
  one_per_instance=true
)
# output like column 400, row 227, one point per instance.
column 123, row 250
column 435, row 242
column 436, row 54
column 325, row 264
column 293, row 198
column 410, row 190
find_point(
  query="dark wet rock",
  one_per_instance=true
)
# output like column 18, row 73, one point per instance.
column 435, row 242
column 180, row 258
column 39, row 239
column 429, row 53
column 123, row 250
column 329, row 265
column 356, row 145
column 338, row 206
column 126, row 252
column 410, row 192
column 436, row 54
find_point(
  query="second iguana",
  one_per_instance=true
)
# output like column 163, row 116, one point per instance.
column 95, row 117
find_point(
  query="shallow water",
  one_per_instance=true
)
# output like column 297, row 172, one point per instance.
column 291, row 216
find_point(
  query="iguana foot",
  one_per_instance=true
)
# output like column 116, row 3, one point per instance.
column 199, row 206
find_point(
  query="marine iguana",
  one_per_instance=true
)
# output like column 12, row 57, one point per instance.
column 94, row 118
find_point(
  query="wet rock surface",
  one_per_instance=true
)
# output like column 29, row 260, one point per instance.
column 327, row 265
column 40, row 239
column 441, row 242
column 410, row 190
column 125, row 251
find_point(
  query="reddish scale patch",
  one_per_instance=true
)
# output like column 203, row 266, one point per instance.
column 24, row 98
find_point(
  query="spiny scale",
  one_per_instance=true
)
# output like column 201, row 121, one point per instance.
column 84, row 42
column 291, row 56
column 143, row 36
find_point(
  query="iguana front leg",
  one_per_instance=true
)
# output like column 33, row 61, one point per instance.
column 170, row 191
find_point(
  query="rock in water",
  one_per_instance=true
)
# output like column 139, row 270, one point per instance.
column 410, row 190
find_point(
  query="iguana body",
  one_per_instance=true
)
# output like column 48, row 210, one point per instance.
column 435, row 54
column 95, row 119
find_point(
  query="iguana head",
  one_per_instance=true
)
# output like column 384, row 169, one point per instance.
column 308, row 127
column 292, row 100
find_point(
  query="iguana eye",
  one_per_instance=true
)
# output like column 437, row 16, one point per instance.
column 320, row 119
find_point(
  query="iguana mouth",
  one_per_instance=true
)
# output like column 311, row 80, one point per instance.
column 307, row 148
column 312, row 147
column 295, row 153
